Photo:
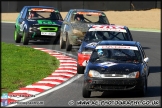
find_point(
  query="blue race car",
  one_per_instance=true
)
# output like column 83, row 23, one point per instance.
column 116, row 65
column 98, row 33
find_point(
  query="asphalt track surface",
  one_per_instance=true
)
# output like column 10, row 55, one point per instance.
column 151, row 43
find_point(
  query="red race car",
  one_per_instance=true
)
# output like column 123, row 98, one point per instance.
column 98, row 33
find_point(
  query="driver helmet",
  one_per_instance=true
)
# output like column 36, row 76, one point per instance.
column 100, row 52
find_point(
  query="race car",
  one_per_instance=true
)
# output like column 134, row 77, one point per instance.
column 98, row 33
column 116, row 66
column 76, row 24
column 38, row 23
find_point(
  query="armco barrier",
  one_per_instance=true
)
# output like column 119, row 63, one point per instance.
column 16, row 6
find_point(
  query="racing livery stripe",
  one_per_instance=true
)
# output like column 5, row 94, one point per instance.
column 66, row 70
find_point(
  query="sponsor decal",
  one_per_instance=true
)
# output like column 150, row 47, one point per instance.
column 93, row 44
column 90, row 13
column 42, row 9
column 22, row 26
column 45, row 22
column 116, row 47
column 106, row 64
column 107, row 28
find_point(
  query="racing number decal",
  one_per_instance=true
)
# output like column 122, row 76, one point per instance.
column 45, row 22
column 93, row 44
column 22, row 26
column 85, row 62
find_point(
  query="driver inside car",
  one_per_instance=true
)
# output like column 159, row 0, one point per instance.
column 79, row 18
column 31, row 14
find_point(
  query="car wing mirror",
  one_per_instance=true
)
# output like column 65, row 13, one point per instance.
column 146, row 59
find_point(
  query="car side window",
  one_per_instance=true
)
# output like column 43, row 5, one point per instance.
column 129, row 33
column 67, row 16
column 21, row 13
column 142, row 51
column 24, row 13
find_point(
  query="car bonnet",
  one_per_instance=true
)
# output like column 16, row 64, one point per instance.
column 45, row 22
column 114, row 68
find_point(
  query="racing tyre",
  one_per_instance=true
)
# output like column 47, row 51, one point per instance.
column 25, row 38
column 17, row 37
column 62, row 43
column 68, row 45
column 143, row 91
column 80, row 69
column 85, row 92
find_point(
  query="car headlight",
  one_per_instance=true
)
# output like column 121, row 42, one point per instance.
column 93, row 73
column 133, row 75
column 30, row 28
column 33, row 28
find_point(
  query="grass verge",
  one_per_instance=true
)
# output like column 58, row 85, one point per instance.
column 23, row 65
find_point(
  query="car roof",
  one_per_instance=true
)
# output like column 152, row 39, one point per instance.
column 40, row 7
column 87, row 10
column 113, row 42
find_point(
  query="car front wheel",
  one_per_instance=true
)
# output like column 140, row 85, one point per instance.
column 143, row 90
column 25, row 38
column 85, row 92
column 62, row 43
column 80, row 69
column 68, row 45
column 17, row 37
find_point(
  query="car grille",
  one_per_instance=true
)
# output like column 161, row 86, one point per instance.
column 48, row 29
column 111, row 87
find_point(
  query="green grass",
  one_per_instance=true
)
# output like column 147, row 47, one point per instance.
column 22, row 65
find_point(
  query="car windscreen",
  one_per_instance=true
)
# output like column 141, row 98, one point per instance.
column 116, row 55
column 43, row 14
column 96, row 36
column 89, row 17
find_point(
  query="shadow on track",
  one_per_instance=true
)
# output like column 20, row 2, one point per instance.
column 153, row 91
column 155, row 69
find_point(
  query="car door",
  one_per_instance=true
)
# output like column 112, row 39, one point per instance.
column 17, row 26
column 65, row 25
column 144, row 63
column 22, row 21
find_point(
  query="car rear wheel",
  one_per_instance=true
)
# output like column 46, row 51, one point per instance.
column 143, row 91
column 17, row 37
column 25, row 38
column 62, row 43
column 68, row 45
column 80, row 69
column 85, row 92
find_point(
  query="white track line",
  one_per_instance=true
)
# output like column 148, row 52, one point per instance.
column 27, row 91
column 39, row 86
column 59, row 78
column 50, row 82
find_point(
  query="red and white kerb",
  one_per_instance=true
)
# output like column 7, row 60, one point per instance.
column 107, row 28
column 116, row 47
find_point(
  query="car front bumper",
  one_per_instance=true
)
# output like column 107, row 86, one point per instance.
column 96, row 84
column 32, row 35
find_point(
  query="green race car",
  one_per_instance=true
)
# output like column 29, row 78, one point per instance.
column 38, row 23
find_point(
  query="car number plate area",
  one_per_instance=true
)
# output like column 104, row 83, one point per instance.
column 49, row 33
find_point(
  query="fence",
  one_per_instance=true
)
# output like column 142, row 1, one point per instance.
column 16, row 6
